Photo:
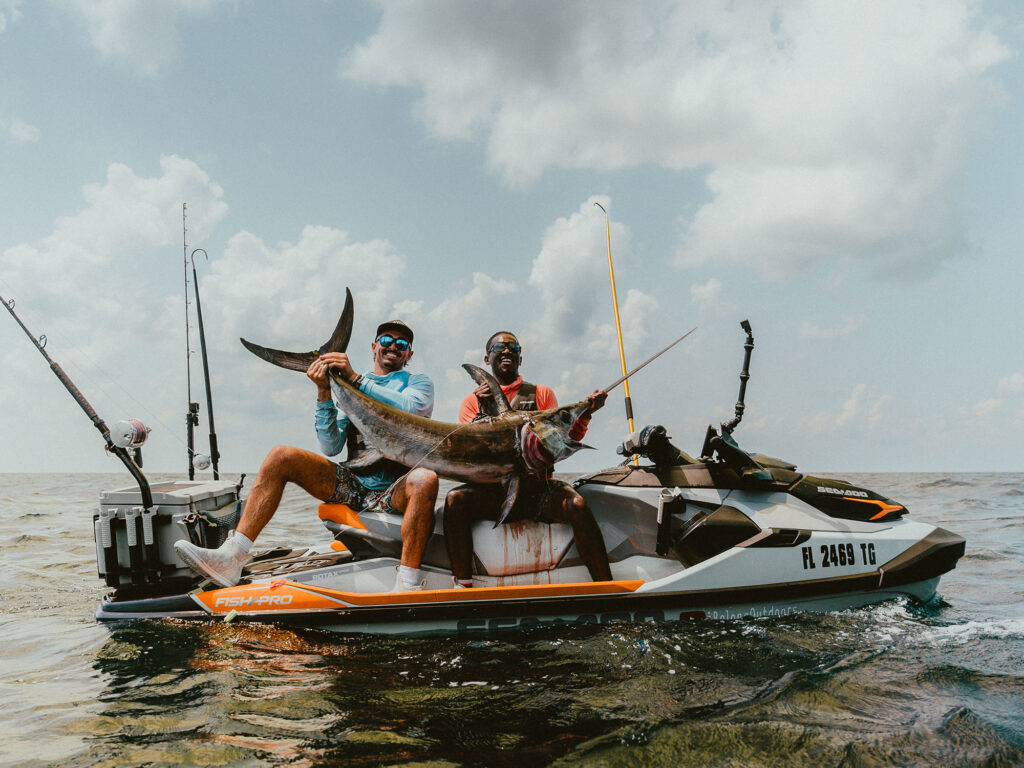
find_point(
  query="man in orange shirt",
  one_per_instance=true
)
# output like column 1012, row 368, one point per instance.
column 539, row 498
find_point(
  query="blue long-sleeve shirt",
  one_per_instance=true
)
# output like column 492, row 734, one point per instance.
column 412, row 392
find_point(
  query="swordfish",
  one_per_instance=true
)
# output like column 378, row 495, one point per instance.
column 496, row 449
column 488, row 451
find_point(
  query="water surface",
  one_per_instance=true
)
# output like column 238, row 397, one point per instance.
column 892, row 684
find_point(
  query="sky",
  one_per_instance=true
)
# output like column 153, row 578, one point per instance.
column 847, row 176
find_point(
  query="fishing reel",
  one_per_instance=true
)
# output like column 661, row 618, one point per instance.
column 653, row 442
column 130, row 434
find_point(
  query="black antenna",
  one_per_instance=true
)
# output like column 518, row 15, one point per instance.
column 748, row 347
column 214, row 453
column 192, row 414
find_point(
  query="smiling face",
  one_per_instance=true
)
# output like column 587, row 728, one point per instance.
column 388, row 358
column 503, row 358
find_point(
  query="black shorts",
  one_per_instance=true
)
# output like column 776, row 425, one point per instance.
column 531, row 502
column 352, row 493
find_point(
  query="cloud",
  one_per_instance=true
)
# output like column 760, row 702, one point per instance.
column 124, row 216
column 461, row 309
column 91, row 284
column 827, row 133
column 23, row 132
column 849, row 326
column 983, row 409
column 1012, row 384
column 569, row 272
column 144, row 33
column 861, row 407
column 10, row 11
column 852, row 406
column 289, row 295
column 878, row 412
column 708, row 300
column 708, row 294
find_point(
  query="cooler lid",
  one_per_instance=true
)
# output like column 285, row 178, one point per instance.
column 170, row 493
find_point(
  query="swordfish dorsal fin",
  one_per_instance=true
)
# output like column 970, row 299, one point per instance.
column 300, row 361
column 499, row 405
column 511, row 486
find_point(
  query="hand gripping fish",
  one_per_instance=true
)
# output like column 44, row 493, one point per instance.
column 486, row 451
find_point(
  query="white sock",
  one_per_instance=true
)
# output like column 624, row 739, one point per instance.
column 243, row 541
column 410, row 576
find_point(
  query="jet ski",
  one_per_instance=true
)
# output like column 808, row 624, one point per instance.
column 726, row 535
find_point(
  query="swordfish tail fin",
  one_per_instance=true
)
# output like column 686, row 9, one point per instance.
column 300, row 361
column 293, row 361
column 343, row 330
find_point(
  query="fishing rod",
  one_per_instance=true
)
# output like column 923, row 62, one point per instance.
column 192, row 414
column 214, row 453
column 618, row 325
column 651, row 359
column 133, row 434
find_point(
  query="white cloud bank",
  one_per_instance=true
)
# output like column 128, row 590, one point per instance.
column 92, row 275
column 826, row 130
column 143, row 33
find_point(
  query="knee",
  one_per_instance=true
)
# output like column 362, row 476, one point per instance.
column 576, row 508
column 279, row 461
column 422, row 482
column 455, row 503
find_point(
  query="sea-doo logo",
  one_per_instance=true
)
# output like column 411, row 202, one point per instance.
column 237, row 601
column 841, row 492
column 529, row 622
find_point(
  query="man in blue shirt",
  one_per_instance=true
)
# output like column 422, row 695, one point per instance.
column 383, row 486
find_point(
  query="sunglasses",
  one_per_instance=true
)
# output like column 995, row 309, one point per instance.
column 504, row 346
column 400, row 344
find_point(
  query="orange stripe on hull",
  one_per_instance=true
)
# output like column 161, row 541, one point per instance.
column 886, row 508
column 290, row 596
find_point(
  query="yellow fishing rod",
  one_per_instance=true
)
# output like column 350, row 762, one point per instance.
column 618, row 325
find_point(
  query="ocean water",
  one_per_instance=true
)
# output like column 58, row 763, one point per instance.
column 892, row 684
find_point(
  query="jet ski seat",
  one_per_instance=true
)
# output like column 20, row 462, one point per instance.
column 526, row 546
column 352, row 534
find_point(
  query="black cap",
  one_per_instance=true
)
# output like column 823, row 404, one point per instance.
column 395, row 325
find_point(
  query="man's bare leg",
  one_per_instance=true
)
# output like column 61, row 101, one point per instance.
column 283, row 464
column 414, row 496
column 459, row 517
column 310, row 471
column 566, row 506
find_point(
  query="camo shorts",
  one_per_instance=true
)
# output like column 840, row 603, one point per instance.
column 352, row 493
